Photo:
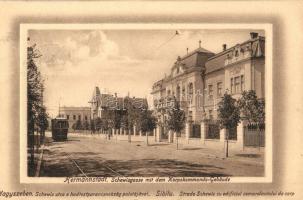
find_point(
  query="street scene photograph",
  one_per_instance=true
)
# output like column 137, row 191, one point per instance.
column 145, row 102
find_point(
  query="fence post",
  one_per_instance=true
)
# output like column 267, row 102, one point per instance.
column 170, row 136
column 240, row 135
column 203, row 130
column 187, row 131
column 135, row 130
column 158, row 133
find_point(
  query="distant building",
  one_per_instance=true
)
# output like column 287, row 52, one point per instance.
column 72, row 114
column 199, row 79
column 101, row 103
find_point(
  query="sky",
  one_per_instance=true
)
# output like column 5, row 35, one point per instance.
column 73, row 62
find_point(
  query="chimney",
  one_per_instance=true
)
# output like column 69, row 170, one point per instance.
column 253, row 35
column 224, row 47
column 186, row 50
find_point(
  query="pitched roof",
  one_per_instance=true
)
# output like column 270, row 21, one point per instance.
column 198, row 50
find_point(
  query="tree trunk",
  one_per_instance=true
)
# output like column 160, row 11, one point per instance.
column 177, row 140
column 227, row 137
column 226, row 155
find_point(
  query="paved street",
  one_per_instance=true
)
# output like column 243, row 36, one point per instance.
column 86, row 155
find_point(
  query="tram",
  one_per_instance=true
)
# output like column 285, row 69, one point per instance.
column 59, row 128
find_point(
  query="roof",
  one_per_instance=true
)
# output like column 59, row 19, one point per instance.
column 198, row 50
column 217, row 61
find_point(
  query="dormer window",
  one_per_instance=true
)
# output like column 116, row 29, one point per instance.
column 236, row 53
column 178, row 70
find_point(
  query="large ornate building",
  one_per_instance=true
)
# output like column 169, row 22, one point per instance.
column 199, row 79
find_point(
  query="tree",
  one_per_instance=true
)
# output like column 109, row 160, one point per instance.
column 34, row 99
column 79, row 125
column 117, row 118
column 74, row 126
column 176, row 119
column 146, row 122
column 124, row 121
column 229, row 115
column 130, row 117
column 92, row 126
column 42, row 122
column 85, row 125
column 252, row 109
column 98, row 123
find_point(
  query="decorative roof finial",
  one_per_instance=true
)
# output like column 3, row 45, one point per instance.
column 187, row 50
column 200, row 43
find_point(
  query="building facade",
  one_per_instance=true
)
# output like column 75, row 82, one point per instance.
column 72, row 114
column 199, row 79
column 102, row 104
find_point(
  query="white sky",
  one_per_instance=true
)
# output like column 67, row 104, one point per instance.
column 73, row 62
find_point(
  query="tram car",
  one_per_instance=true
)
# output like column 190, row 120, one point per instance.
column 59, row 128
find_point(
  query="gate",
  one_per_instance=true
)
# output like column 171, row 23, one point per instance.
column 253, row 136
column 196, row 131
column 213, row 130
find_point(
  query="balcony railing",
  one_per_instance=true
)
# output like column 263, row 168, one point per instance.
column 169, row 103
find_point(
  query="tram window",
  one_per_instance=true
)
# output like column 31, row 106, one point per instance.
column 61, row 124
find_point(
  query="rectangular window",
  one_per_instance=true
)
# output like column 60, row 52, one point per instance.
column 190, row 115
column 79, row 117
column 210, row 91
column 67, row 117
column 242, row 83
column 237, row 84
column 74, row 117
column 231, row 85
column 219, row 89
column 210, row 114
column 85, row 117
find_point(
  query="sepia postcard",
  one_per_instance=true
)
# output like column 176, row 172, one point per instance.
column 149, row 108
column 174, row 126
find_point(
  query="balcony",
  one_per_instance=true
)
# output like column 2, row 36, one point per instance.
column 169, row 102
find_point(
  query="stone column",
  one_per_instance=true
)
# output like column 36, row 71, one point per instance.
column 175, row 137
column 222, row 136
column 204, row 127
column 240, row 135
column 187, row 130
column 170, row 136
column 158, row 133
column 155, row 134
column 135, row 131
